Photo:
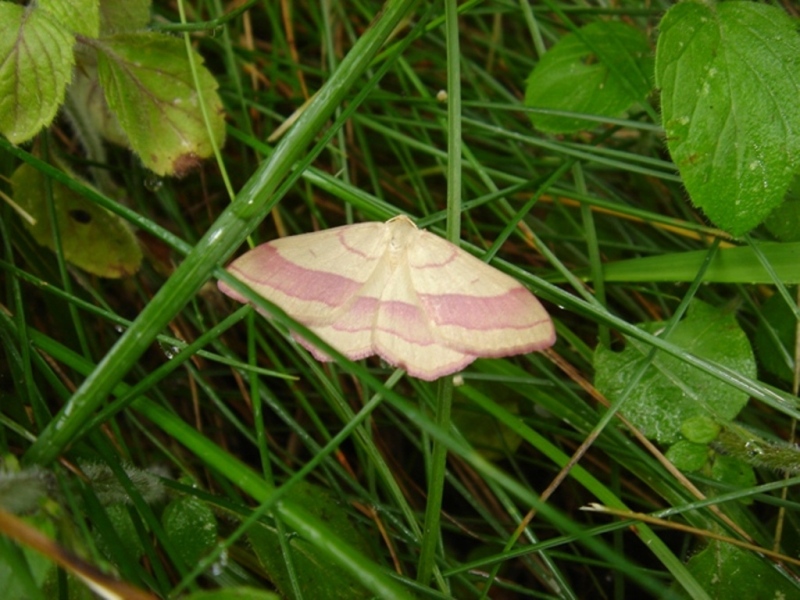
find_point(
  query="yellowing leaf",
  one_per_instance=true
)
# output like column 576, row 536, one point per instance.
column 35, row 67
column 149, row 87
column 92, row 238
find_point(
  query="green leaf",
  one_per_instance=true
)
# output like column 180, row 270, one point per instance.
column 732, row 471
column 86, row 98
column 730, row 572
column 77, row 16
column 118, row 16
column 730, row 265
column 35, row 67
column 775, row 338
column 316, row 576
column 493, row 439
column 688, row 456
column 700, row 429
column 192, row 528
column 730, row 80
column 672, row 391
column 22, row 490
column 784, row 221
column 126, row 532
column 149, row 87
column 92, row 238
column 601, row 70
column 13, row 583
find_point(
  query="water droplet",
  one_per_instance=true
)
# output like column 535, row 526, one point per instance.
column 153, row 183
column 753, row 449
column 169, row 350
column 218, row 567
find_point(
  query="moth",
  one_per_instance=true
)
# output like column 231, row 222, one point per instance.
column 391, row 289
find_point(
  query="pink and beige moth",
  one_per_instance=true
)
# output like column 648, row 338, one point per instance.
column 409, row 296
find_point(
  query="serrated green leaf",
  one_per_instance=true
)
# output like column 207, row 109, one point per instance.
column 726, row 571
column 149, row 87
column 602, row 70
column 118, row 16
column 36, row 61
column 92, row 238
column 192, row 528
column 672, row 391
column 317, row 577
column 688, row 456
column 77, row 16
column 730, row 265
column 730, row 79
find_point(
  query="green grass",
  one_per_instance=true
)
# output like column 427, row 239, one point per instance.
column 354, row 464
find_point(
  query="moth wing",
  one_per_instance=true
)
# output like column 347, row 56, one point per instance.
column 405, row 336
column 314, row 277
column 473, row 307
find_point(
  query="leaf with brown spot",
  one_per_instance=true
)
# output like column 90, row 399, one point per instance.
column 149, row 87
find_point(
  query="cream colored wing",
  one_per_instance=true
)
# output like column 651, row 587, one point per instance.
column 405, row 336
column 314, row 277
column 473, row 307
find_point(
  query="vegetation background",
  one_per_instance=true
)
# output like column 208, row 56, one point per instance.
column 188, row 448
